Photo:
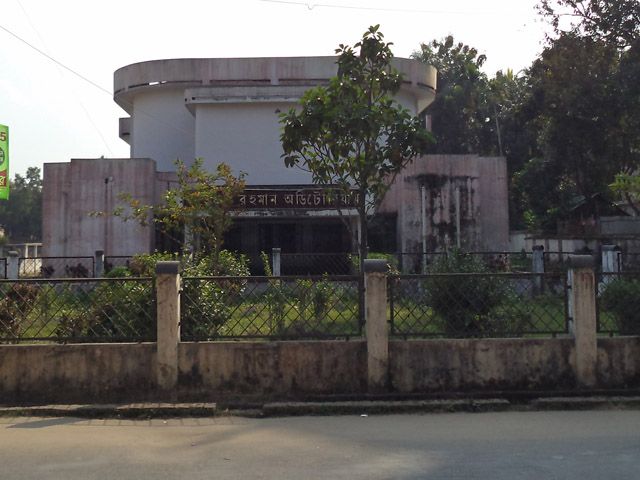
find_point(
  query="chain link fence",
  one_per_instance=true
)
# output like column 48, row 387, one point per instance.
column 618, row 303
column 478, row 305
column 285, row 307
column 76, row 310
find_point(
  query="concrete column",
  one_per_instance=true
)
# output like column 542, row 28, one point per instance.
column 99, row 264
column 275, row 261
column 376, row 324
column 584, row 318
column 168, row 319
column 13, row 265
column 537, row 266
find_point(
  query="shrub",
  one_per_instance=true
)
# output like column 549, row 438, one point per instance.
column 18, row 300
column 467, row 305
column 622, row 299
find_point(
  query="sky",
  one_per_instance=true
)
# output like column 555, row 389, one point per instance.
column 54, row 115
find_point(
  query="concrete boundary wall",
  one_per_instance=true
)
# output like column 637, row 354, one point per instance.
column 177, row 370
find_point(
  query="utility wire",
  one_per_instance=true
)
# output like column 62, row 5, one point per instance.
column 91, row 82
column 311, row 6
column 82, row 106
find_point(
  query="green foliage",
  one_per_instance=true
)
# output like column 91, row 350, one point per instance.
column 456, row 112
column 469, row 305
column 201, row 205
column 18, row 300
column 622, row 299
column 616, row 22
column 351, row 133
column 21, row 215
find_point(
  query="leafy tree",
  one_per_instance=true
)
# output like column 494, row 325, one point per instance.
column 457, row 117
column 200, row 205
column 616, row 22
column 21, row 215
column 351, row 134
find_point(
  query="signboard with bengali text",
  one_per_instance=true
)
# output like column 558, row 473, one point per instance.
column 303, row 198
column 4, row 162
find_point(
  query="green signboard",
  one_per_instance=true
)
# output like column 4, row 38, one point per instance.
column 4, row 162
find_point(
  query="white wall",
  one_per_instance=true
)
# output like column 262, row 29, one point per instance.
column 163, row 128
column 247, row 137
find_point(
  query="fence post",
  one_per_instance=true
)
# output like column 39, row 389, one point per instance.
column 13, row 265
column 537, row 266
column 275, row 262
column 376, row 324
column 99, row 264
column 583, row 299
column 168, row 319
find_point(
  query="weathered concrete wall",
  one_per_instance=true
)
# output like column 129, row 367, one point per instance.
column 76, row 373
column 121, row 372
column 71, row 191
column 483, row 206
column 281, row 369
column 488, row 364
column 618, row 362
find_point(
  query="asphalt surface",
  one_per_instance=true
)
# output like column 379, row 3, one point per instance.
column 508, row 445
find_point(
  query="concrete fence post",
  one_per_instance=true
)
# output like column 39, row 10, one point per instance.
column 537, row 266
column 376, row 324
column 99, row 264
column 13, row 265
column 610, row 264
column 583, row 300
column 168, row 325
column 275, row 262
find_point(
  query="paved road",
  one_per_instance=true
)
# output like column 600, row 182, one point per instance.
column 513, row 445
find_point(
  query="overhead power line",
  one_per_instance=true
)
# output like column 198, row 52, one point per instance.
column 311, row 6
column 45, row 54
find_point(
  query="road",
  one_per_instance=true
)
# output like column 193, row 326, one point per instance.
column 511, row 445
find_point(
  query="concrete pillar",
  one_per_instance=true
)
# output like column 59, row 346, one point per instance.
column 610, row 264
column 275, row 262
column 13, row 265
column 584, row 317
column 168, row 325
column 537, row 266
column 376, row 324
column 99, row 264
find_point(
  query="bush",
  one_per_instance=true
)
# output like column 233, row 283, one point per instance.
column 468, row 305
column 18, row 300
column 622, row 299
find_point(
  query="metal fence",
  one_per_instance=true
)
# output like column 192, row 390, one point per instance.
column 3, row 268
column 318, row 263
column 270, row 307
column 56, row 267
column 629, row 261
column 114, row 261
column 618, row 303
column 478, row 305
column 77, row 310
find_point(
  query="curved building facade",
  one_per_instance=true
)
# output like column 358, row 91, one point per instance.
column 226, row 109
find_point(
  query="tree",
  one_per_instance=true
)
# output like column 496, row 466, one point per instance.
column 351, row 134
column 457, row 119
column 617, row 22
column 21, row 215
column 200, row 206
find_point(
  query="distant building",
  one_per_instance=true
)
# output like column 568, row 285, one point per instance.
column 226, row 110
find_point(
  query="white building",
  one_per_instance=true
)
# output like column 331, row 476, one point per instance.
column 221, row 110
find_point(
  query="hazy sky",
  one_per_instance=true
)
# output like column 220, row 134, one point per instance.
column 55, row 116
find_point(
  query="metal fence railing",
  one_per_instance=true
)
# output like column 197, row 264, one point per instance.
column 270, row 307
column 618, row 303
column 3, row 268
column 629, row 261
column 318, row 263
column 56, row 267
column 478, row 305
column 114, row 261
column 77, row 310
